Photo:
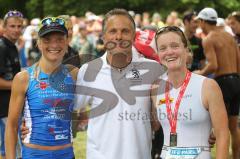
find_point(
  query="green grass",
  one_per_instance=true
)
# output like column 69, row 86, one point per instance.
column 79, row 145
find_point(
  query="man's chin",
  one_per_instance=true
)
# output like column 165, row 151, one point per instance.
column 120, row 60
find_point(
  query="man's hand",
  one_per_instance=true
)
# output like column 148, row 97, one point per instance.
column 212, row 140
column 24, row 130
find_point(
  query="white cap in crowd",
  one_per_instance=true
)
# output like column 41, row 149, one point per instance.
column 209, row 14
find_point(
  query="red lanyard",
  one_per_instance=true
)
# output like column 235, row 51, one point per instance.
column 172, row 118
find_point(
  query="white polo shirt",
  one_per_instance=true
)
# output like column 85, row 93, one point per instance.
column 120, row 128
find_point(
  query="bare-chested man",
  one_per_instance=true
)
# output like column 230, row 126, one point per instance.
column 223, row 61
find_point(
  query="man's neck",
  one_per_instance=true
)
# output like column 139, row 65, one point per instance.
column 7, row 37
column 211, row 28
column 118, row 63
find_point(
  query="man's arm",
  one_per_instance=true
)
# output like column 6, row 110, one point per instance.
column 215, row 104
column 19, row 87
column 211, row 59
column 5, row 84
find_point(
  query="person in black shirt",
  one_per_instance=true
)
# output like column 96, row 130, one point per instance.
column 9, row 64
column 190, row 26
column 71, row 56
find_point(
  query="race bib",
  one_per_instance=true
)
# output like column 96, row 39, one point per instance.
column 183, row 153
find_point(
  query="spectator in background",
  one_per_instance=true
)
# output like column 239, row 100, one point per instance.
column 86, row 46
column 9, row 65
column 145, row 19
column 234, row 22
column 157, row 20
column 1, row 27
column 222, row 24
column 29, row 36
column 138, row 20
column 190, row 26
column 71, row 56
column 100, row 49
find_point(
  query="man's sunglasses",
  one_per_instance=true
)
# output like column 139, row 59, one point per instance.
column 13, row 13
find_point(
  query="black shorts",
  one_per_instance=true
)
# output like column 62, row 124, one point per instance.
column 230, row 86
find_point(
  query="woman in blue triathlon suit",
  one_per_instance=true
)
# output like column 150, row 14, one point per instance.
column 46, row 92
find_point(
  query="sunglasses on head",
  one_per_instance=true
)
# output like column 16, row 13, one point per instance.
column 170, row 29
column 13, row 13
column 52, row 21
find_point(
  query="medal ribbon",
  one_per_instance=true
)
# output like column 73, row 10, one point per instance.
column 172, row 118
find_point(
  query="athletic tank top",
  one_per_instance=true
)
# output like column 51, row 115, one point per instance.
column 48, row 107
column 193, row 120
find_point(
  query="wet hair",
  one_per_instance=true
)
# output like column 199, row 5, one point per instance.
column 117, row 11
column 174, row 29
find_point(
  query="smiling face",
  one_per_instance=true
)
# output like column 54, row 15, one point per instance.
column 53, row 46
column 171, row 50
column 119, row 30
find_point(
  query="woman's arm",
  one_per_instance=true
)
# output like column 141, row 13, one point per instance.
column 19, row 87
column 213, row 100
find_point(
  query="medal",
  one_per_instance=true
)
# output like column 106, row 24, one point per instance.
column 173, row 139
column 173, row 115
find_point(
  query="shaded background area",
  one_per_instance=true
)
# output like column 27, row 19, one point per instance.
column 42, row 8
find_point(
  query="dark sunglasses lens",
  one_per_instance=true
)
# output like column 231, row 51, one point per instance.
column 14, row 13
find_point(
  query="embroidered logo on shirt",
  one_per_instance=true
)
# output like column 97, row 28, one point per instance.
column 163, row 101
column 135, row 73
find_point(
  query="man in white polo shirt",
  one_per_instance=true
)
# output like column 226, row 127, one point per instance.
column 117, row 88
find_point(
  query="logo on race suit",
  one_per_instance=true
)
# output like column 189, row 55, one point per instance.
column 51, row 130
column 42, row 85
column 163, row 101
column 183, row 153
column 60, row 137
column 57, row 102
